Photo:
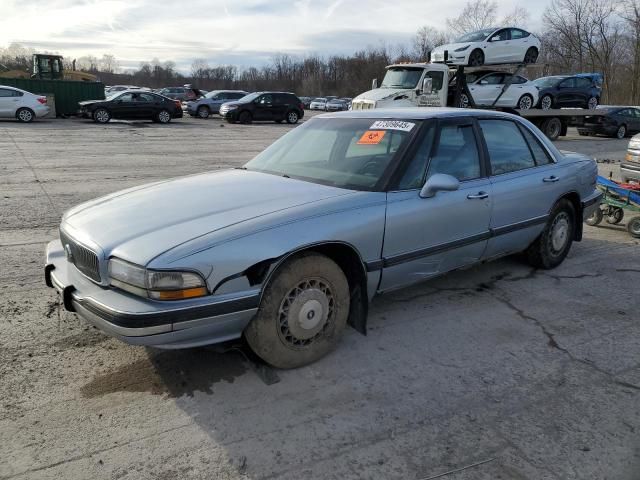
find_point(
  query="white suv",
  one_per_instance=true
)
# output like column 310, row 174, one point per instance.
column 20, row 104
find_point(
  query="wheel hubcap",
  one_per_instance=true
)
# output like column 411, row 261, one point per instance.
column 546, row 103
column 525, row 103
column 593, row 103
column 164, row 117
column 203, row 113
column 635, row 227
column 25, row 115
column 464, row 101
column 560, row 233
column 102, row 116
column 293, row 117
column 305, row 312
column 622, row 132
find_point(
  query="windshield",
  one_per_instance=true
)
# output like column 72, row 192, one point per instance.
column 249, row 98
column 402, row 77
column 351, row 153
column 112, row 95
column 211, row 94
column 321, row 100
column 478, row 36
column 545, row 82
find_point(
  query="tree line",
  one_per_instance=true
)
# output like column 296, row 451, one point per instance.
column 577, row 36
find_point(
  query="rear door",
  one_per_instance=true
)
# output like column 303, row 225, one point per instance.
column 428, row 236
column 525, row 184
column 520, row 43
column 281, row 103
column 583, row 90
column 148, row 104
column 8, row 102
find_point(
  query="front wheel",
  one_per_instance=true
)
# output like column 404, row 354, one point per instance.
column 476, row 59
column 203, row 112
column 525, row 102
column 25, row 115
column 292, row 117
column 302, row 314
column 101, row 115
column 553, row 245
column 245, row 117
column 464, row 101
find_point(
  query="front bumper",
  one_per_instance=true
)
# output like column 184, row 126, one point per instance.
column 598, row 129
column 139, row 321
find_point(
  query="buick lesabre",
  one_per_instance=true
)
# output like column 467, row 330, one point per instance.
column 290, row 248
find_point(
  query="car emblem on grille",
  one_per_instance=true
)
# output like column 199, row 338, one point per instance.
column 68, row 252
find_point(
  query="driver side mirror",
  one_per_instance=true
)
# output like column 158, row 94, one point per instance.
column 439, row 182
column 427, row 85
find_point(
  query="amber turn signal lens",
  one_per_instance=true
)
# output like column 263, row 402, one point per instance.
column 178, row 294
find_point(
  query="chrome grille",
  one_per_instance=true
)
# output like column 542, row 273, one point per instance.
column 84, row 259
column 362, row 105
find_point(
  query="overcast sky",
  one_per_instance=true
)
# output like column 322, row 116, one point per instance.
column 240, row 32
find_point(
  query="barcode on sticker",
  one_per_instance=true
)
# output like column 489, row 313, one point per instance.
column 392, row 125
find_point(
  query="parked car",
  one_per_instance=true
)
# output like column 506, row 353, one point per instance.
column 306, row 101
column 211, row 102
column 490, row 46
column 132, row 105
column 568, row 91
column 289, row 248
column 630, row 167
column 22, row 105
column 617, row 122
column 319, row 103
column 336, row 105
column 184, row 94
column 485, row 87
column 264, row 106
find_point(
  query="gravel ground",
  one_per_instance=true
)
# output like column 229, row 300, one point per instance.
column 536, row 374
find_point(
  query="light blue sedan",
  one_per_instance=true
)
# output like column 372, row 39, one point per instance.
column 291, row 247
column 211, row 102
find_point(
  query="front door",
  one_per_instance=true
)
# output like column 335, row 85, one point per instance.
column 428, row 236
column 263, row 107
column 525, row 185
column 499, row 47
column 567, row 96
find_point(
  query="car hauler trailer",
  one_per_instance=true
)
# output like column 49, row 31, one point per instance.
column 439, row 85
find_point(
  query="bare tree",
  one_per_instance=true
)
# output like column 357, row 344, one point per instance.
column 476, row 15
column 108, row 63
column 425, row 40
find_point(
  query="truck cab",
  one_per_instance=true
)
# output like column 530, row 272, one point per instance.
column 407, row 85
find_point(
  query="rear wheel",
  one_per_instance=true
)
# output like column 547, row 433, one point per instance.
column 101, row 115
column 592, row 103
column 531, row 56
column 163, row 116
column 302, row 313
column 476, row 59
column 553, row 245
column 525, row 102
column 621, row 132
column 25, row 115
column 464, row 101
column 245, row 117
column 633, row 227
column 552, row 128
column 292, row 117
column 546, row 102
column 203, row 112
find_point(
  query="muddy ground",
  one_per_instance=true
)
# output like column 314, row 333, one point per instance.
column 517, row 373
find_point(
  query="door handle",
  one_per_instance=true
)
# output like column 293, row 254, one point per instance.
column 550, row 179
column 478, row 196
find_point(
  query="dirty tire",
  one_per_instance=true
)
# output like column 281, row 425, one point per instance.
column 312, row 290
column 245, row 118
column 553, row 245
column 595, row 218
column 552, row 128
column 633, row 227
column 615, row 216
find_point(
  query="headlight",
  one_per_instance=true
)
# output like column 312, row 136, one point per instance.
column 461, row 49
column 156, row 284
column 230, row 107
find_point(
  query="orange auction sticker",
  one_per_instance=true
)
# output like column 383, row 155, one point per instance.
column 371, row 137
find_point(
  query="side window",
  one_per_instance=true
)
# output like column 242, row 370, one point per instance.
column 264, row 99
column 456, row 153
column 568, row 83
column 500, row 36
column 508, row 150
column 539, row 153
column 5, row 92
column 518, row 80
column 145, row 97
column 413, row 177
column 236, row 96
column 493, row 79
column 583, row 83
column 517, row 34
column 437, row 80
column 126, row 97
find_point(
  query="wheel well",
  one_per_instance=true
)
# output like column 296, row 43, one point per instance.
column 204, row 106
column 574, row 198
column 348, row 259
column 24, row 108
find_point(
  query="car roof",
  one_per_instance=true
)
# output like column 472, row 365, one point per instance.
column 417, row 113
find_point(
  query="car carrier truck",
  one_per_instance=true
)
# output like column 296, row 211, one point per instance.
column 439, row 85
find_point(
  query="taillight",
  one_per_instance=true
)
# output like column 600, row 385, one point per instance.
column 178, row 103
column 302, row 106
column 42, row 100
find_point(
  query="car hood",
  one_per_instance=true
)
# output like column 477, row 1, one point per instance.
column 90, row 102
column 233, row 104
column 143, row 222
column 382, row 93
